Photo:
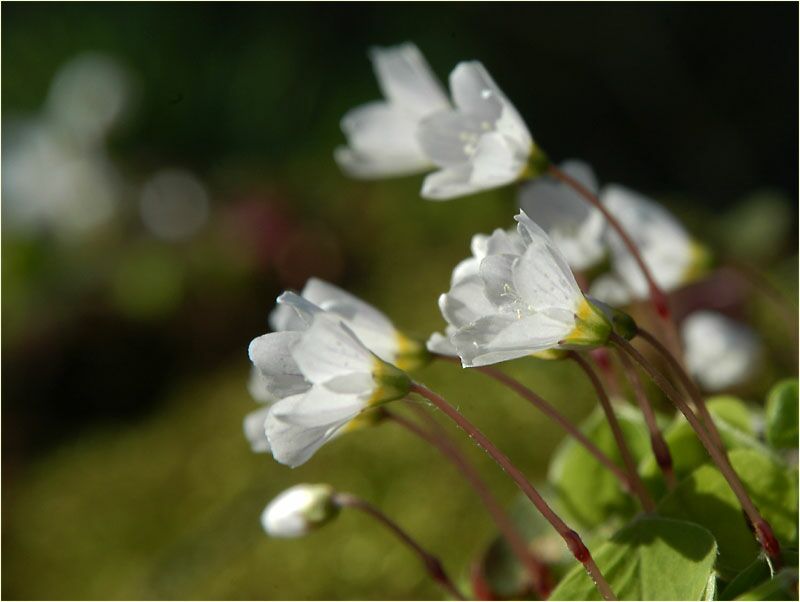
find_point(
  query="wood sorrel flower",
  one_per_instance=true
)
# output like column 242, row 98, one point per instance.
column 372, row 327
column 380, row 135
column 482, row 144
column 324, row 378
column 719, row 352
column 299, row 510
column 672, row 256
column 520, row 303
column 575, row 227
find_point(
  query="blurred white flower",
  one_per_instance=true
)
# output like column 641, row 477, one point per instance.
column 299, row 510
column 719, row 352
column 482, row 144
column 373, row 328
column 88, row 96
column 173, row 204
column 520, row 303
column 50, row 183
column 56, row 174
column 381, row 135
column 577, row 228
column 673, row 257
column 324, row 379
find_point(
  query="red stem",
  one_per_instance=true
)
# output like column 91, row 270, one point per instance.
column 764, row 533
column 571, row 538
column 657, row 443
column 638, row 487
column 432, row 564
column 551, row 412
column 538, row 571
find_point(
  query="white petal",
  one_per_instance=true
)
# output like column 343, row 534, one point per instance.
column 499, row 338
column 271, row 354
column 293, row 444
column 543, row 280
column 719, row 352
column 258, row 386
column 475, row 92
column 304, row 309
column 370, row 325
column 465, row 302
column 318, row 407
column 497, row 273
column 406, row 79
column 450, row 138
column 328, row 350
column 448, row 184
column 382, row 143
column 495, row 162
column 664, row 244
column 439, row 343
column 576, row 228
column 254, row 429
column 284, row 317
column 610, row 289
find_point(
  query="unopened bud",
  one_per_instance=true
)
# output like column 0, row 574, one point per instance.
column 299, row 510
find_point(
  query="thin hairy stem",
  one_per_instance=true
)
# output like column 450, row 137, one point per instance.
column 657, row 443
column 538, row 571
column 432, row 564
column 570, row 537
column 551, row 412
column 691, row 388
column 764, row 534
column 627, row 457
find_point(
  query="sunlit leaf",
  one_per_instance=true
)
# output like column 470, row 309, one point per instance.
column 781, row 414
column 651, row 559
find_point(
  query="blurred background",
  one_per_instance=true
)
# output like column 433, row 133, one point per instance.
column 167, row 171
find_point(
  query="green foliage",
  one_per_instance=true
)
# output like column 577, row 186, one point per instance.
column 781, row 415
column 650, row 559
column 587, row 493
column 706, row 499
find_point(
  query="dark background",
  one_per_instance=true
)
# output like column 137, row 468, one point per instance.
column 694, row 103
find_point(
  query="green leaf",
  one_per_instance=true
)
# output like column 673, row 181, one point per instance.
column 781, row 415
column 587, row 493
column 736, row 423
column 756, row 574
column 782, row 586
column 705, row 497
column 650, row 559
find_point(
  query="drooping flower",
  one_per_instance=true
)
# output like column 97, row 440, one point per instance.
column 325, row 380
column 381, row 135
column 575, row 227
column 483, row 143
column 719, row 352
column 521, row 303
column 673, row 257
column 299, row 510
column 372, row 327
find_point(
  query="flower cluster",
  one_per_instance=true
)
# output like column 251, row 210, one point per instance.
column 550, row 287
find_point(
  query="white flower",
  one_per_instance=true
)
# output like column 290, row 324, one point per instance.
column 370, row 325
column 499, row 242
column 299, row 510
column 481, row 144
column 667, row 249
column 324, row 378
column 719, row 352
column 576, row 227
column 381, row 135
column 520, row 303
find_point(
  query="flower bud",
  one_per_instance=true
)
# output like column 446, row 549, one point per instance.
column 299, row 510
